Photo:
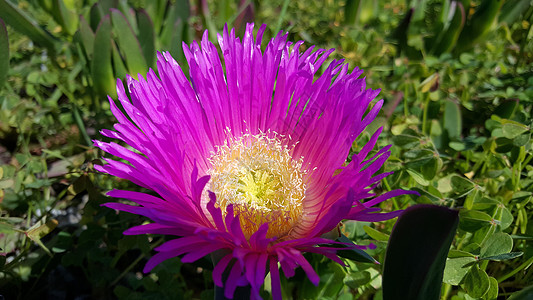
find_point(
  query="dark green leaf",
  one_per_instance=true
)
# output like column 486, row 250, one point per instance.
column 476, row 282
column 472, row 220
column 353, row 253
column 417, row 251
column 128, row 44
column 102, row 70
column 146, row 37
column 23, row 23
column 4, row 53
column 505, row 256
column 378, row 236
column 525, row 294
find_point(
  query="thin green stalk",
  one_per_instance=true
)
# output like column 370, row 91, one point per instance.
column 281, row 16
column 446, row 291
column 513, row 272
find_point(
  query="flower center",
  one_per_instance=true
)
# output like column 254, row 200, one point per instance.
column 258, row 175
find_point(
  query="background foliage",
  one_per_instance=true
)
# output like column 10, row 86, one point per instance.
column 456, row 76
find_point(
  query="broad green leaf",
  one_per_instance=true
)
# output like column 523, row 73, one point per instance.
column 492, row 292
column 406, row 141
column 498, row 243
column 479, row 24
column 472, row 220
column 456, row 269
column 24, row 24
column 118, row 63
column 504, row 216
column 417, row 251
column 86, row 38
column 356, row 280
column 4, row 55
column 146, row 37
column 419, row 178
column 129, row 14
column 102, row 69
column 179, row 13
column 506, row 108
column 476, row 282
column 68, row 19
column 511, row 10
column 352, row 11
column 373, row 233
column 452, row 119
column 513, row 129
column 461, row 185
column 128, row 44
column 431, row 168
column 525, row 294
column 448, row 37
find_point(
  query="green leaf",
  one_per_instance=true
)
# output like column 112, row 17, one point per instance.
column 452, row 119
column 4, row 55
column 356, row 280
column 513, row 129
column 128, row 44
column 498, row 243
column 39, row 230
column 476, row 282
column 417, row 251
column 406, row 141
column 511, row 10
column 429, row 83
column 419, row 178
column 456, row 269
column 479, row 24
column 24, row 24
column 506, row 108
column 352, row 253
column 102, row 70
column 68, row 19
column 376, row 235
column 146, row 37
column 447, row 38
column 461, row 185
column 505, row 256
column 86, row 38
column 525, row 294
column 492, row 292
column 472, row 220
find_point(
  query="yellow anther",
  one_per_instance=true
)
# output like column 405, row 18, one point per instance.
column 258, row 175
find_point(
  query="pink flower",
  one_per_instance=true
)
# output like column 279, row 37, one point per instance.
column 247, row 158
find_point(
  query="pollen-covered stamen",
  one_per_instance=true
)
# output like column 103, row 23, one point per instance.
column 258, row 175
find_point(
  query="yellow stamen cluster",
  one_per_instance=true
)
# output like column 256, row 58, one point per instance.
column 257, row 174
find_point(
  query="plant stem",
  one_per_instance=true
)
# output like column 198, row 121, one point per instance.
column 513, row 272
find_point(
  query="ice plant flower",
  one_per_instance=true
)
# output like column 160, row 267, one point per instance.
column 246, row 156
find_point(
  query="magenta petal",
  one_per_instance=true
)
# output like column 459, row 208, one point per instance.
column 220, row 268
column 274, row 280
